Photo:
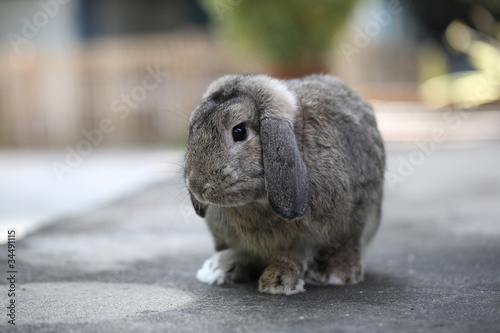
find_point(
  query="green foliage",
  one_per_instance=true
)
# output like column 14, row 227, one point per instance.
column 287, row 32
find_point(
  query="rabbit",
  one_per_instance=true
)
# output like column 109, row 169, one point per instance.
column 289, row 178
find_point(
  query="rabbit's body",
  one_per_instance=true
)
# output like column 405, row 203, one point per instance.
column 314, row 219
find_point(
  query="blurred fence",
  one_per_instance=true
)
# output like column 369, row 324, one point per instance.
column 107, row 89
column 134, row 90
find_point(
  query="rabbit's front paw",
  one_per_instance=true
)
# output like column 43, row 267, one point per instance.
column 226, row 266
column 217, row 269
column 281, row 278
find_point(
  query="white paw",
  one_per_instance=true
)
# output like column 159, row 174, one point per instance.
column 298, row 288
column 213, row 271
column 335, row 280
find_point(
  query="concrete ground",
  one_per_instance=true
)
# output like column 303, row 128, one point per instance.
column 34, row 193
column 130, row 266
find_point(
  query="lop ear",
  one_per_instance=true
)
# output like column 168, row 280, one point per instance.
column 199, row 208
column 287, row 179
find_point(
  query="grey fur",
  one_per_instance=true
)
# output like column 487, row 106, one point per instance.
column 290, row 204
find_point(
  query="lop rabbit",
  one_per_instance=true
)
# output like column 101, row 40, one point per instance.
column 289, row 177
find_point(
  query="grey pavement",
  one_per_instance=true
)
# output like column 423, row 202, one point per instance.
column 34, row 194
column 130, row 266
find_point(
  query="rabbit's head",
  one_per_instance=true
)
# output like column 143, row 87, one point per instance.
column 242, row 147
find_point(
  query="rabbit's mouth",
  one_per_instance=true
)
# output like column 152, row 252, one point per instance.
column 223, row 198
column 232, row 195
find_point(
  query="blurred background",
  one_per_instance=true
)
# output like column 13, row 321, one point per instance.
column 95, row 95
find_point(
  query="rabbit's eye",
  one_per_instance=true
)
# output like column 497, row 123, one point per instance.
column 239, row 132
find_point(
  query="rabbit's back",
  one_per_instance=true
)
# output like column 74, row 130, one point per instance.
column 335, row 123
column 337, row 133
